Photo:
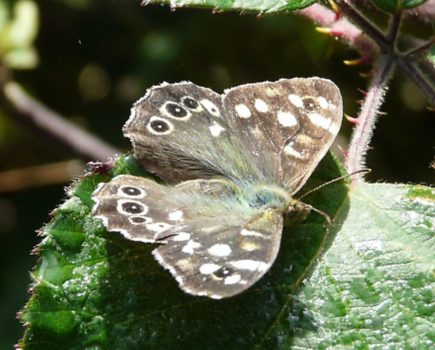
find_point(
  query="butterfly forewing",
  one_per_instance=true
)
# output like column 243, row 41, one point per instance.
column 168, row 123
column 212, row 243
column 287, row 126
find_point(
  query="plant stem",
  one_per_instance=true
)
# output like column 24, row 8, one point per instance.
column 387, row 44
column 368, row 115
column 341, row 28
column 424, row 80
column 40, row 175
column 364, row 24
column 24, row 107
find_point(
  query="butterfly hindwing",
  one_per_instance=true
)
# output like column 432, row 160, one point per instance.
column 208, row 255
column 221, row 260
column 130, row 205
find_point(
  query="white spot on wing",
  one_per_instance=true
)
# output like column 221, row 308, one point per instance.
column 290, row 151
column 210, row 107
column 243, row 111
column 334, row 128
column 323, row 103
column 249, row 246
column 190, row 247
column 319, row 120
column 260, row 105
column 245, row 232
column 207, row 269
column 332, row 107
column 296, row 100
column 175, row 215
column 158, row 227
column 233, row 279
column 216, row 129
column 286, row 119
column 251, row 265
column 220, row 250
column 181, row 236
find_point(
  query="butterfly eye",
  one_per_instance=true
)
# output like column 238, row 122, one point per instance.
column 159, row 126
column 175, row 111
column 129, row 207
column 191, row 103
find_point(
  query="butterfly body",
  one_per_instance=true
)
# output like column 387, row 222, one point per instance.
column 231, row 164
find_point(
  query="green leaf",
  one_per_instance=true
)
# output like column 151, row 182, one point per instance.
column 266, row 6
column 374, row 287
column 95, row 289
column 397, row 5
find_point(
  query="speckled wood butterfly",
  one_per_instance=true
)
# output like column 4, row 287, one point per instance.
column 230, row 165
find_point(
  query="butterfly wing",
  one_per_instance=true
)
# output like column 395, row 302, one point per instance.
column 179, row 132
column 271, row 132
column 287, row 126
column 219, row 260
column 213, row 244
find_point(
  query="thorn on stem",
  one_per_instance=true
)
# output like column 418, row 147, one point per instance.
column 35, row 251
column 367, row 74
column 363, row 59
column 329, row 31
column 363, row 92
column 343, row 151
column 335, row 8
column 351, row 120
column 324, row 30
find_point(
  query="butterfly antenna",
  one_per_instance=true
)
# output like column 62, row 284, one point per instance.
column 365, row 171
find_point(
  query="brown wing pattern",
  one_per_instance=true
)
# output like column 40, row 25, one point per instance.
column 214, row 245
column 287, row 126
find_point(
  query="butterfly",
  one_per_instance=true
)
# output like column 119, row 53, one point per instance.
column 229, row 166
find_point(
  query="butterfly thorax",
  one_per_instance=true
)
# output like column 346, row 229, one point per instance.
column 266, row 196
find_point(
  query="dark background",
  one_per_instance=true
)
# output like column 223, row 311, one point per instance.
column 98, row 57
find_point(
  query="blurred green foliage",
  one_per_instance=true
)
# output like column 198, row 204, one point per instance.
column 18, row 28
column 97, row 57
